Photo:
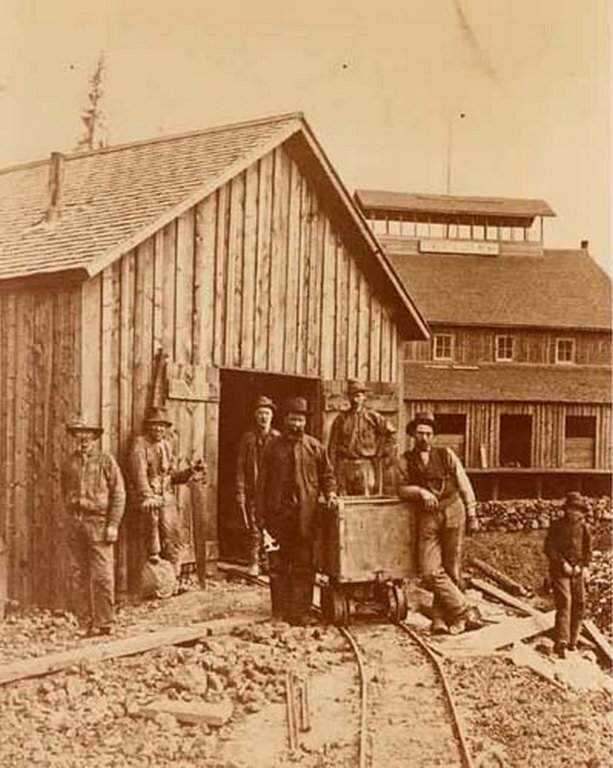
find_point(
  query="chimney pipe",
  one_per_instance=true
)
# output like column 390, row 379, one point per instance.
column 585, row 244
column 56, row 177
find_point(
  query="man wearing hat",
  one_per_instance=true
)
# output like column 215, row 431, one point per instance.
column 568, row 547
column 295, row 471
column 248, row 461
column 435, row 480
column 154, row 474
column 95, row 498
column 360, row 440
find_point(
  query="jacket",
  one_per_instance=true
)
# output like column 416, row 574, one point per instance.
column 93, row 486
column 248, row 460
column 361, row 434
column 293, row 474
column 570, row 542
column 153, row 470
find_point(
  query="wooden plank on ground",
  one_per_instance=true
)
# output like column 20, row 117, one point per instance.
column 114, row 649
column 504, row 597
column 603, row 645
column 499, row 635
column 214, row 713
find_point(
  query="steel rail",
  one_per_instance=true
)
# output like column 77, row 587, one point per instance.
column 457, row 724
column 363, row 695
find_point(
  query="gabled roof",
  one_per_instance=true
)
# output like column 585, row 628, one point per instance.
column 519, row 383
column 114, row 198
column 556, row 289
column 445, row 207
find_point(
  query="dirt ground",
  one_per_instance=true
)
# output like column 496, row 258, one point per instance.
column 88, row 715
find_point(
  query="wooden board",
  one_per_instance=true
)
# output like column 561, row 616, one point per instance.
column 603, row 645
column 499, row 635
column 114, row 649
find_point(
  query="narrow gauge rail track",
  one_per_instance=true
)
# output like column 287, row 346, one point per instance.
column 356, row 643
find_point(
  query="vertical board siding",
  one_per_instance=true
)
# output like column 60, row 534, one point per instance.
column 258, row 275
column 548, row 428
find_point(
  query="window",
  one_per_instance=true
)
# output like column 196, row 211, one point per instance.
column 451, row 432
column 443, row 346
column 580, row 441
column 504, row 347
column 565, row 350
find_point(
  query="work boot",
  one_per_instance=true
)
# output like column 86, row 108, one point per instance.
column 457, row 626
column 560, row 650
column 438, row 626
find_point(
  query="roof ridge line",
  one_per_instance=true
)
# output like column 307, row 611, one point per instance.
column 157, row 140
column 440, row 196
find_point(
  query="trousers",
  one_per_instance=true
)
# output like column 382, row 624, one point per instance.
column 91, row 571
column 292, row 576
column 440, row 559
column 162, row 534
column 569, row 600
column 257, row 556
column 356, row 477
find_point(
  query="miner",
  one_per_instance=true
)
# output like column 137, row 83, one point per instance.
column 295, row 471
column 436, row 481
column 95, row 499
column 361, row 440
column 568, row 547
column 154, row 475
column 249, row 458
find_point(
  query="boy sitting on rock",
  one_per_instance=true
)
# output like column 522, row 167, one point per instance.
column 568, row 547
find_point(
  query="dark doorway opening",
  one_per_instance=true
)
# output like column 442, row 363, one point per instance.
column 515, row 440
column 239, row 390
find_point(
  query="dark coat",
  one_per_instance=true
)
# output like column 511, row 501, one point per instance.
column 93, row 485
column 250, row 451
column 570, row 542
column 293, row 474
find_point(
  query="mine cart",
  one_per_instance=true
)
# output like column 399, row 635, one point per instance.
column 367, row 552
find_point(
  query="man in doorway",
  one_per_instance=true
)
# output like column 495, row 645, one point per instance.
column 435, row 480
column 361, row 440
column 295, row 471
column 154, row 475
column 250, row 450
column 95, row 499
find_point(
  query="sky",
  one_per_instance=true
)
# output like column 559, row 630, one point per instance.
column 383, row 84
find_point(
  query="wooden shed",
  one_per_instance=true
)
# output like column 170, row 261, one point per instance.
column 198, row 270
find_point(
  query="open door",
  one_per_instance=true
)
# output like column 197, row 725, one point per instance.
column 384, row 398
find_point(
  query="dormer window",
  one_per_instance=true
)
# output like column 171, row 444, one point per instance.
column 442, row 348
column 505, row 348
column 565, row 350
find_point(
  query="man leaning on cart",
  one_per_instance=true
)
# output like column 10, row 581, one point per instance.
column 436, row 481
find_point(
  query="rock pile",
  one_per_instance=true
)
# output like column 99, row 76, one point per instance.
column 534, row 514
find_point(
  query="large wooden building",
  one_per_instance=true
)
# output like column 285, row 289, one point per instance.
column 196, row 271
column 518, row 368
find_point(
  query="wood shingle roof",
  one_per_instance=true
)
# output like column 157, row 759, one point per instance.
column 558, row 289
column 112, row 194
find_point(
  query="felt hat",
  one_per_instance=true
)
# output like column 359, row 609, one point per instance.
column 157, row 416
column 574, row 499
column 296, row 405
column 264, row 402
column 424, row 417
column 81, row 424
column 354, row 387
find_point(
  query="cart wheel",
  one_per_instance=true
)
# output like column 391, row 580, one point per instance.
column 397, row 603
column 334, row 606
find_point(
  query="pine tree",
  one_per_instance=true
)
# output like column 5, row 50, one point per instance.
column 95, row 129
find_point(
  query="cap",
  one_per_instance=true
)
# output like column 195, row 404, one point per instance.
column 264, row 402
column 423, row 417
column 354, row 386
column 157, row 416
column 296, row 405
column 81, row 424
column 574, row 499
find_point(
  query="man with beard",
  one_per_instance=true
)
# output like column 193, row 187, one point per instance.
column 360, row 441
column 295, row 471
column 250, row 450
column 95, row 498
column 154, row 475
column 435, row 480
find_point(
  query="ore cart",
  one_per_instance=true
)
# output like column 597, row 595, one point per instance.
column 367, row 552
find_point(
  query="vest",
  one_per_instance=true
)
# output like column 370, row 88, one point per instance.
column 437, row 475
